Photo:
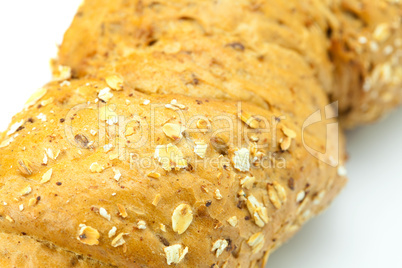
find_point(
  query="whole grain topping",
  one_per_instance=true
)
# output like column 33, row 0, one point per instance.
column 200, row 148
column 117, row 174
column 249, row 120
column 233, row 221
column 25, row 166
column 40, row 93
column 96, row 168
column 288, row 132
column 170, row 157
column 141, row 225
column 104, row 214
column 154, row 175
column 247, row 182
column 257, row 211
column 175, row 254
column 218, row 195
column 88, row 235
column 26, row 191
column 256, row 242
column 122, row 211
column 241, row 160
column 219, row 246
column 173, row 131
column 300, row 196
column 277, row 194
column 15, row 127
column 175, row 106
column 182, row 218
column 115, row 82
column 119, row 240
column 105, row 94
column 156, row 200
column 112, row 232
column 46, row 177
column 203, row 125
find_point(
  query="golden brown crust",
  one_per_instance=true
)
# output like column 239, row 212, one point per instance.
column 75, row 192
column 367, row 54
column 69, row 175
column 328, row 35
column 22, row 251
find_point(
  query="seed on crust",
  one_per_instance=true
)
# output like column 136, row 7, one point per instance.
column 162, row 227
column 170, row 157
column 62, row 73
column 6, row 142
column 220, row 145
column 382, row 32
column 218, row 195
column 104, row 213
column 96, row 168
column 117, row 174
column 276, row 194
column 9, row 219
column 26, row 191
column 46, row 177
column 257, row 211
column 249, row 120
column 175, row 106
column 200, row 148
column 241, row 160
column 300, row 196
column 219, row 246
column 342, row 171
column 141, row 225
column 25, row 167
column 173, row 131
column 285, row 144
column 247, row 182
column 15, row 127
column 157, row 199
column 233, row 221
column 154, row 175
column 182, row 218
column 288, row 132
column 40, row 93
column 82, row 141
column 256, row 242
column 115, row 82
column 88, row 235
column 33, row 201
column 122, row 211
column 119, row 240
column 105, row 94
column 112, row 232
column 203, row 125
column 175, row 254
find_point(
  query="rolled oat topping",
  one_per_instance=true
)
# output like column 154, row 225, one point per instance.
column 182, row 218
column 219, row 246
column 119, row 240
column 175, row 254
column 256, row 242
column 88, row 235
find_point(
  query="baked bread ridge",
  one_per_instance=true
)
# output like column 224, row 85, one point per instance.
column 231, row 41
column 367, row 55
column 78, row 191
column 313, row 29
column 23, row 252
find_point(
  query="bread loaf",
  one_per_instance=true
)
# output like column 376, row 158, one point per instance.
column 175, row 133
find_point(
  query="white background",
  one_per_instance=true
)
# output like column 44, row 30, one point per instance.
column 363, row 228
